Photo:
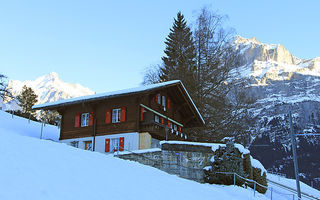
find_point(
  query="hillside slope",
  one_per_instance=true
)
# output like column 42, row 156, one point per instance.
column 15, row 125
column 40, row 169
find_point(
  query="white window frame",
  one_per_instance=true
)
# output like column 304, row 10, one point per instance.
column 91, row 145
column 114, row 144
column 84, row 119
column 164, row 101
column 157, row 118
column 116, row 115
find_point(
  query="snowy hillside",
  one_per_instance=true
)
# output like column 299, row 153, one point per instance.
column 49, row 88
column 12, row 124
column 40, row 169
column 58, row 171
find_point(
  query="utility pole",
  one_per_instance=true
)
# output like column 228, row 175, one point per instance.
column 294, row 152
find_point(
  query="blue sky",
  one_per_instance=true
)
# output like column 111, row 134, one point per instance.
column 106, row 45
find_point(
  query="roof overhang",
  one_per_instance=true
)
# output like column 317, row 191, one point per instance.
column 96, row 97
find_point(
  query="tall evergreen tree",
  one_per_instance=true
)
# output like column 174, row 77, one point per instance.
column 179, row 62
column 203, row 61
column 27, row 99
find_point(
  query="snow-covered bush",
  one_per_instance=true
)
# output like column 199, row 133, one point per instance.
column 259, row 175
column 226, row 159
column 236, row 159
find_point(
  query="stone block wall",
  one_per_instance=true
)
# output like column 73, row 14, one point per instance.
column 184, row 160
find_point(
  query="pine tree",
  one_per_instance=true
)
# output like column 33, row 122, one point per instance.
column 203, row 61
column 27, row 99
column 179, row 62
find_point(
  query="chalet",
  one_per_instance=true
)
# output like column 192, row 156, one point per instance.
column 129, row 119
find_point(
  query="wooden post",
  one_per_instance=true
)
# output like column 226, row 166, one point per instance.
column 234, row 179
column 41, row 130
column 94, row 133
column 254, row 188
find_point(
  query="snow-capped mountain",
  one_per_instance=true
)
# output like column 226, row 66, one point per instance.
column 49, row 88
column 281, row 82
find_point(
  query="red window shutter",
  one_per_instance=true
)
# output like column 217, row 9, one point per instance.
column 157, row 98
column 123, row 114
column 169, row 124
column 180, row 129
column 141, row 114
column 108, row 116
column 91, row 119
column 162, row 120
column 121, row 144
column 77, row 120
column 168, row 103
column 107, row 147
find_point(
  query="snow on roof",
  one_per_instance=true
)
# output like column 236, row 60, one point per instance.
column 114, row 94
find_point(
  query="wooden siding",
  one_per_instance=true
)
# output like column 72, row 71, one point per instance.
column 178, row 112
column 99, row 109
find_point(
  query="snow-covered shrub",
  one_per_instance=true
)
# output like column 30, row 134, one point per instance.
column 234, row 158
column 226, row 159
column 247, row 165
column 259, row 175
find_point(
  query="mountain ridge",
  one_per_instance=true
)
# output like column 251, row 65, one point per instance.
column 48, row 87
column 281, row 82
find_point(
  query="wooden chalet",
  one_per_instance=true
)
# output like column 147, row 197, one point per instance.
column 130, row 119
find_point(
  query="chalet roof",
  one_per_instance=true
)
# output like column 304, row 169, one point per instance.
column 108, row 95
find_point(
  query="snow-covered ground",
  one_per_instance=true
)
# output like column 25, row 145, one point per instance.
column 281, row 193
column 42, row 169
column 12, row 124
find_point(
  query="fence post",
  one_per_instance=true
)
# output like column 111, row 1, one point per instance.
column 29, row 117
column 41, row 130
column 254, row 188
column 293, row 196
column 234, row 179
column 271, row 192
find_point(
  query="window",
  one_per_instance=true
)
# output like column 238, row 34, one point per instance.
column 74, row 144
column 114, row 144
column 88, row 145
column 156, row 119
column 175, row 127
column 84, row 119
column 116, row 115
column 164, row 101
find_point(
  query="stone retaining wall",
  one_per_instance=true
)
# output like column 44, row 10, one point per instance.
column 184, row 160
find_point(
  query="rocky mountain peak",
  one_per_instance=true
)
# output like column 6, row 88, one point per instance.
column 49, row 88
